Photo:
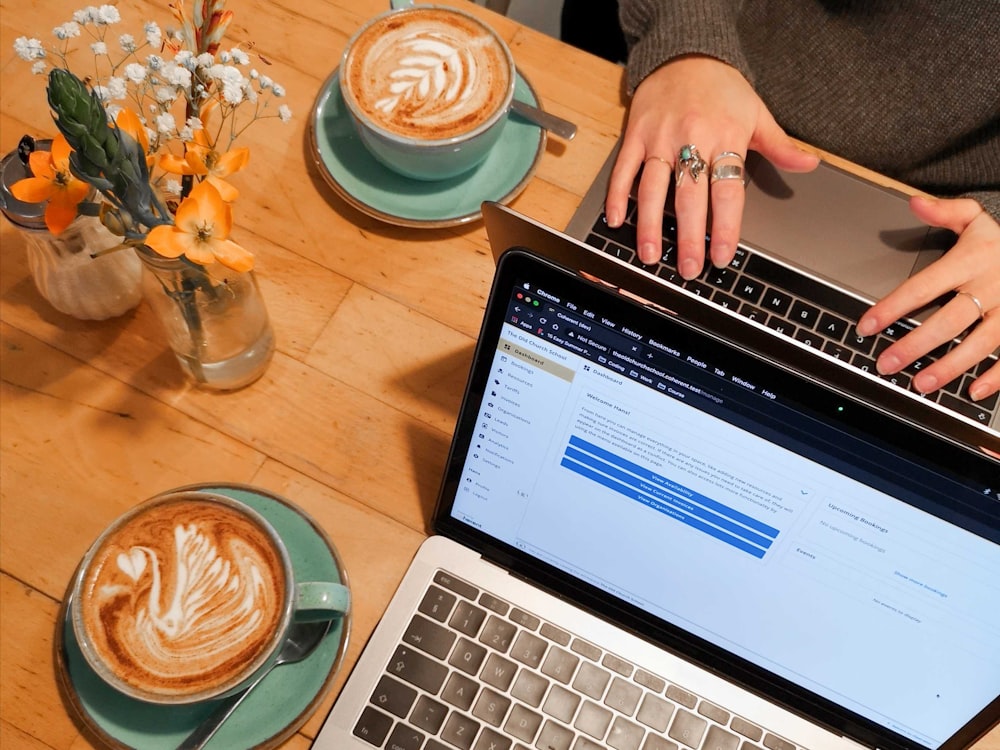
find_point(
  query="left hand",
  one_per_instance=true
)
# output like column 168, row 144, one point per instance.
column 971, row 267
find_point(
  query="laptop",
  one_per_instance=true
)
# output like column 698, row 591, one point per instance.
column 816, row 250
column 652, row 536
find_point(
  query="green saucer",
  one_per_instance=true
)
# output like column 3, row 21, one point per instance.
column 272, row 712
column 376, row 190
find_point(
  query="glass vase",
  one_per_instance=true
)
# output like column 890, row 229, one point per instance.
column 74, row 280
column 214, row 318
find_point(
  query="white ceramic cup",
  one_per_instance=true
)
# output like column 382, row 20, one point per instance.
column 188, row 597
column 424, row 71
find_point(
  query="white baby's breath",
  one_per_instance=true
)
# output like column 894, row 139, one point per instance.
column 29, row 49
column 135, row 72
column 284, row 113
column 99, row 48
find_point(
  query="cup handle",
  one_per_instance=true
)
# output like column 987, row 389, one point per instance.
column 400, row 4
column 321, row 600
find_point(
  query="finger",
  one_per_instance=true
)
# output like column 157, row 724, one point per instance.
column 691, row 208
column 986, row 384
column 620, row 183
column 653, row 188
column 944, row 325
column 727, row 197
column 771, row 142
column 975, row 347
column 953, row 214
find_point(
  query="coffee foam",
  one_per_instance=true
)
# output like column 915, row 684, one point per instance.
column 184, row 598
column 428, row 73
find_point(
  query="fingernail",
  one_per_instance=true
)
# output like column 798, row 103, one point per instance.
column 688, row 268
column 866, row 327
column 647, row 253
column 925, row 383
column 614, row 219
column 979, row 391
column 888, row 364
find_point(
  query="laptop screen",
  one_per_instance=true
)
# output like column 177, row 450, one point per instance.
column 732, row 510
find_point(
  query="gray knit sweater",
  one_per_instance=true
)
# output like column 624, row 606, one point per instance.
column 909, row 88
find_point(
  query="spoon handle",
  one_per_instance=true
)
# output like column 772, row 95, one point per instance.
column 557, row 125
column 207, row 729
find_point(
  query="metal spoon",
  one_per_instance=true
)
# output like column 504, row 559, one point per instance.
column 554, row 124
column 302, row 640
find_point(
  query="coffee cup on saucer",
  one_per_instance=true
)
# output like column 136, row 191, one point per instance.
column 189, row 597
column 428, row 89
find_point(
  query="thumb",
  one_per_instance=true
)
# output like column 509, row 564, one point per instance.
column 954, row 214
column 771, row 142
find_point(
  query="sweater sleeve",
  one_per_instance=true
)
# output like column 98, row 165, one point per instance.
column 988, row 199
column 660, row 30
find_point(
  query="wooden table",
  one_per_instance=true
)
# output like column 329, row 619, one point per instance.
column 352, row 421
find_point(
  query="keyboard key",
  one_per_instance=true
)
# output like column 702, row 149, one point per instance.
column 804, row 314
column 749, row 289
column 836, row 350
column 832, row 327
column 969, row 409
column 800, row 285
column 863, row 344
column 591, row 680
column 776, row 301
column 622, row 253
column 810, row 338
column 623, row 696
column 457, row 585
column 771, row 742
column 593, row 720
column 687, row 728
column 468, row 618
column 523, row 723
column 721, row 278
column 719, row 739
column 467, row 656
column 530, row 688
column 429, row 637
column 437, row 603
column 491, row 707
column 555, row 634
column 372, row 726
column 753, row 313
column 498, row 634
column 655, row 712
column 498, row 672
column 459, row 731
column 588, row 650
column 561, row 704
column 393, row 696
column 727, row 301
column 560, row 665
column 700, row 288
column 529, row 649
column 623, row 235
column 490, row 740
column 748, row 730
column 405, row 738
column 524, row 619
column 780, row 325
column 492, row 603
column 460, row 691
column 417, row 669
column 713, row 712
column 554, row 737
column 679, row 695
column 625, row 735
column 428, row 714
column 658, row 743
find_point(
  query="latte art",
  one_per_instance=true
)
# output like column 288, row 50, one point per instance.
column 428, row 73
column 184, row 598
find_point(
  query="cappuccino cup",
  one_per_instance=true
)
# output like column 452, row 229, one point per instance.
column 188, row 597
column 428, row 89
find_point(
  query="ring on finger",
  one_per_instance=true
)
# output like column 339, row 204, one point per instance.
column 975, row 300
column 689, row 159
column 728, row 171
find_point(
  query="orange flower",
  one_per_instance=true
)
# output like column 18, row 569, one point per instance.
column 129, row 122
column 200, row 158
column 201, row 231
column 53, row 182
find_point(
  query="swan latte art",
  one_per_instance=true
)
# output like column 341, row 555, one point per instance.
column 184, row 597
column 428, row 73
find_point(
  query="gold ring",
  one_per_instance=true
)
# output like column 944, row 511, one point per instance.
column 657, row 158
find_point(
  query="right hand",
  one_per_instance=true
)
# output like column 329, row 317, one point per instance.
column 697, row 100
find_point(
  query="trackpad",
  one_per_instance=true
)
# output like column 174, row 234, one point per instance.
column 856, row 234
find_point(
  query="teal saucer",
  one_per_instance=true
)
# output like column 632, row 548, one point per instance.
column 372, row 188
column 272, row 712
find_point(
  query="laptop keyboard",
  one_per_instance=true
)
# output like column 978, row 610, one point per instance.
column 795, row 305
column 473, row 672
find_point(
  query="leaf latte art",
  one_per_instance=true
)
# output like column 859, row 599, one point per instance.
column 428, row 73
column 184, row 598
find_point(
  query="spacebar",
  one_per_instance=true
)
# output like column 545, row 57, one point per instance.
column 809, row 289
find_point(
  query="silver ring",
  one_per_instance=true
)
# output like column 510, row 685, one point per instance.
column 729, row 171
column 975, row 301
column 688, row 158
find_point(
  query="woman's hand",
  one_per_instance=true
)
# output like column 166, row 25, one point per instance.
column 971, row 269
column 701, row 101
